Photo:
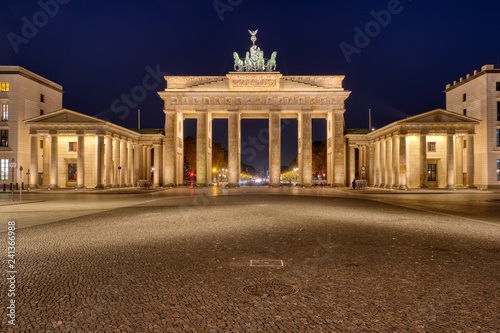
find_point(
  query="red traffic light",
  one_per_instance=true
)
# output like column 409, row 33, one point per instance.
column 191, row 174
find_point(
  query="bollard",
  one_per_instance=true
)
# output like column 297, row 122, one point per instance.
column 4, row 187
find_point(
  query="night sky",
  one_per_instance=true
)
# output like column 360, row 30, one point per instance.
column 99, row 50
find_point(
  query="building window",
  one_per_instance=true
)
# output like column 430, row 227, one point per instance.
column 4, row 138
column 4, row 86
column 498, row 86
column 41, row 112
column 498, row 137
column 4, row 169
column 464, row 97
column 498, row 111
column 72, row 146
column 431, row 172
column 431, row 146
column 42, row 98
column 498, row 170
column 5, row 112
column 465, row 144
column 71, row 171
column 465, row 112
column 41, row 144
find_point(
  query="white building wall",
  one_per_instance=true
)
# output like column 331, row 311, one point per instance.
column 481, row 103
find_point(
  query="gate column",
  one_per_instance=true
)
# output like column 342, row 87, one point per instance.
column 274, row 147
column 234, row 145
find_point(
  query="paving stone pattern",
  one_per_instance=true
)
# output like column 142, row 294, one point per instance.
column 179, row 265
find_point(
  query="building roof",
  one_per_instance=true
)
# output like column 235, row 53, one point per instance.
column 17, row 70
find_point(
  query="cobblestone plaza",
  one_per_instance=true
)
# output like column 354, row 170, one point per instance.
column 255, row 260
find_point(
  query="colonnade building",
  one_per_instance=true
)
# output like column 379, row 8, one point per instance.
column 457, row 147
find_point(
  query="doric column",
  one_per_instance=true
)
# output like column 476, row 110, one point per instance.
column 402, row 163
column 395, row 161
column 305, row 147
column 100, row 161
column 450, row 161
column 470, row 161
column 422, row 165
column 80, row 162
column 383, row 179
column 147, row 163
column 170, row 151
column 109, row 162
column 116, row 161
column 371, row 164
column 377, row 179
column 234, row 145
column 156, row 173
column 33, row 181
column 352, row 163
column 459, row 160
column 203, row 148
column 54, row 155
column 46, row 161
column 130, row 164
column 123, row 163
column 274, row 147
column 329, row 150
column 137, row 163
column 388, row 163
column 339, row 149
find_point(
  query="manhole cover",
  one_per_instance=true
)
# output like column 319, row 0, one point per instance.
column 270, row 289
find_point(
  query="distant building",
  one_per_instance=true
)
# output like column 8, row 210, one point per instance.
column 23, row 95
column 478, row 96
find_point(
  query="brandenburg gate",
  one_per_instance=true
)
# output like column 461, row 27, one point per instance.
column 253, row 91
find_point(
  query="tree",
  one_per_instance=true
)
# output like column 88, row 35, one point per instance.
column 219, row 156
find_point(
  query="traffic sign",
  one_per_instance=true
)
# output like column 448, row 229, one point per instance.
column 363, row 168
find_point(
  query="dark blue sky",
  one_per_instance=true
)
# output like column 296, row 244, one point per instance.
column 99, row 50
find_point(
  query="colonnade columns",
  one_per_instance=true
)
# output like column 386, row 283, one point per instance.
column 109, row 162
column 470, row 161
column 450, row 161
column 352, row 163
column 459, row 160
column 147, row 163
column 376, row 155
column 338, row 150
column 80, row 161
column 203, row 148
column 395, row 161
column 123, row 173
column 100, row 161
column 116, row 161
column 157, row 158
column 371, row 164
column 53, row 161
column 46, row 161
column 130, row 164
column 234, row 147
column 137, row 163
column 274, row 147
column 422, row 165
column 402, row 163
column 389, row 181
column 33, row 181
column 305, row 149
column 382, row 164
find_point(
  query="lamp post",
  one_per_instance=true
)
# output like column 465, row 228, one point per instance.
column 21, row 181
column 13, row 166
